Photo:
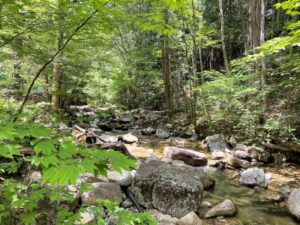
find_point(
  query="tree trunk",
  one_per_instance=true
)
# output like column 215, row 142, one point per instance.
column 254, row 24
column 242, row 17
column 18, row 81
column 56, row 79
column 194, row 68
column 256, row 37
column 166, row 66
column 263, row 60
column 211, row 59
column 226, row 65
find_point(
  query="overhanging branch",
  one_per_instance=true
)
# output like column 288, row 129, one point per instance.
column 39, row 72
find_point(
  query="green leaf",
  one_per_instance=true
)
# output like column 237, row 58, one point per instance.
column 89, row 165
column 39, row 131
column 45, row 146
column 7, row 132
column 45, row 160
column 67, row 149
column 8, row 151
column 66, row 174
column 29, row 218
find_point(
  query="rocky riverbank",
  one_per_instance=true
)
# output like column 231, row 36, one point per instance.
column 185, row 181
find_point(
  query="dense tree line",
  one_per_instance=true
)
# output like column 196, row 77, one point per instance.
column 200, row 57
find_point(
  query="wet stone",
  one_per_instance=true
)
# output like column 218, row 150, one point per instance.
column 225, row 208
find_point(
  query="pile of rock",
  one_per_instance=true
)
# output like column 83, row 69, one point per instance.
column 172, row 188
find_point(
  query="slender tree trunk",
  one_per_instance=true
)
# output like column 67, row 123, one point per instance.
column 226, row 65
column 263, row 60
column 242, row 16
column 56, row 79
column 194, row 68
column 166, row 64
column 47, row 96
column 57, row 74
column 211, row 59
column 200, row 52
column 18, row 81
column 256, row 37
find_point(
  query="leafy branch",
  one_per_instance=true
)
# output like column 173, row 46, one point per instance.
column 39, row 72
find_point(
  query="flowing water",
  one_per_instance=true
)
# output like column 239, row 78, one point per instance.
column 254, row 206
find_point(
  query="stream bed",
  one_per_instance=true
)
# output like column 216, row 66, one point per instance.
column 254, row 204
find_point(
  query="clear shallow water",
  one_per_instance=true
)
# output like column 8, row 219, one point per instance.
column 253, row 206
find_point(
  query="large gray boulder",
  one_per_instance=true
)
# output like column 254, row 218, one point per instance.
column 188, row 156
column 173, row 190
column 163, row 133
column 129, row 138
column 102, row 190
column 207, row 181
column 225, row 208
column 217, row 142
column 294, row 203
column 108, row 138
column 252, row 177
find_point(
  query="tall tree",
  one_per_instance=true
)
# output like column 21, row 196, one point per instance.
column 255, row 23
column 263, row 60
column 256, row 37
column 57, row 73
column 166, row 67
column 226, row 65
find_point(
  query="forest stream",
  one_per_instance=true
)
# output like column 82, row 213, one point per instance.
column 256, row 206
column 169, row 112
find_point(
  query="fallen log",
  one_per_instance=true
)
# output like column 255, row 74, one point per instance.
column 274, row 147
column 286, row 147
column 91, row 138
column 290, row 145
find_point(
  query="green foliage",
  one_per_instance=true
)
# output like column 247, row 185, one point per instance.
column 291, row 7
column 120, row 216
column 61, row 163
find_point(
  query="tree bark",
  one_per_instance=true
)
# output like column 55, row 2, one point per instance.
column 242, row 17
column 56, row 79
column 254, row 24
column 226, row 65
column 263, row 60
column 256, row 37
column 166, row 67
column 56, row 74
